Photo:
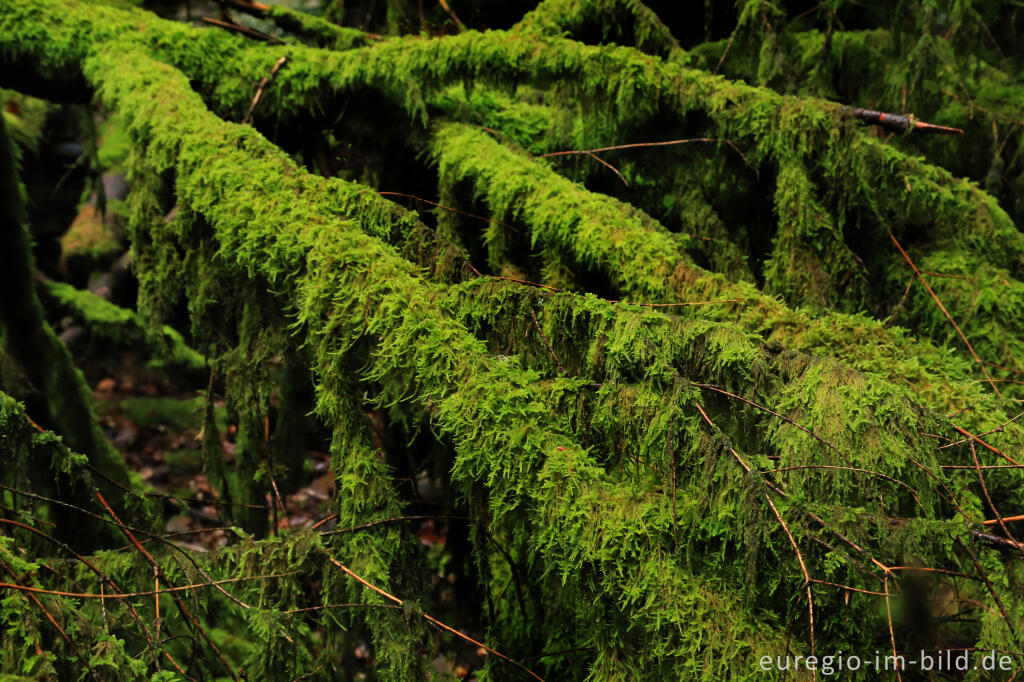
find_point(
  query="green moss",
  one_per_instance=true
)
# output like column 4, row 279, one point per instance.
column 163, row 413
column 604, row 478
column 118, row 325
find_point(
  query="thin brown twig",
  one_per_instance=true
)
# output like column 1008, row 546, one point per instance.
column 1008, row 369
column 983, row 466
column 675, row 518
column 323, row 521
column 928, row 569
column 913, row 491
column 178, row 601
column 991, row 590
column 248, row 6
column 144, row 593
column 677, row 305
column 992, row 522
column 964, row 409
column 857, row 548
column 343, row 606
column 447, row 8
column 984, row 490
column 892, row 637
column 640, row 145
column 849, row 587
column 53, row 621
column 244, row 30
column 397, row 519
column 994, row 449
column 449, row 208
column 104, row 579
column 604, row 163
column 261, row 87
column 103, row 519
column 543, row 338
column 168, row 496
column 945, row 312
column 721, row 60
column 778, row 516
column 784, row 418
column 986, row 433
column 310, row 674
column 428, row 617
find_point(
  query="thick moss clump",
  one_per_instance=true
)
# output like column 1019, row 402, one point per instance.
column 681, row 421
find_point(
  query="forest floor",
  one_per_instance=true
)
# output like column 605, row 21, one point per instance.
column 154, row 419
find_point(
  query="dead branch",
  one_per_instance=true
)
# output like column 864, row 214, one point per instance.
column 898, row 123
column 260, row 88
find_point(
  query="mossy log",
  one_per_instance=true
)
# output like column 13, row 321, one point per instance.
column 668, row 472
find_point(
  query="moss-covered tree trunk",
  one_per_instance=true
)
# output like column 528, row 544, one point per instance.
column 698, row 369
column 57, row 395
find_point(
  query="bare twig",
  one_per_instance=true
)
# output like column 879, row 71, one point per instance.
column 945, row 312
column 543, row 338
column 447, row 8
column 449, row 208
column 604, row 163
column 244, row 30
column 144, row 593
column 397, row 519
column 898, row 123
column 431, row 619
column 639, row 145
column 985, row 445
column 261, row 87
column 892, row 637
column 180, row 603
column 1004, row 519
column 782, row 523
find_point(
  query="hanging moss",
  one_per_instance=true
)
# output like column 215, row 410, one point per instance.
column 119, row 326
column 648, row 483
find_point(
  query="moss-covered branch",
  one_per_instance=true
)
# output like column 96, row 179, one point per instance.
column 615, row 462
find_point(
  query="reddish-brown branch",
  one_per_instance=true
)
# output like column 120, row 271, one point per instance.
column 945, row 312
column 244, row 30
column 983, row 466
column 604, row 163
column 261, row 87
column 104, row 578
column 322, row 607
column 892, row 636
column 985, row 445
column 144, row 593
column 849, row 588
column 323, row 521
column 543, row 338
column 449, row 208
column 986, row 433
column 992, row 522
column 984, row 490
column 431, row 619
column 247, row 6
column 640, row 145
column 447, row 8
column 898, row 123
column 964, row 409
column 178, row 601
column 784, row 418
column 782, row 523
column 879, row 474
column 857, row 548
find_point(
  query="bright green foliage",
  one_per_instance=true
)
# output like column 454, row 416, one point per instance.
column 646, row 480
column 117, row 325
